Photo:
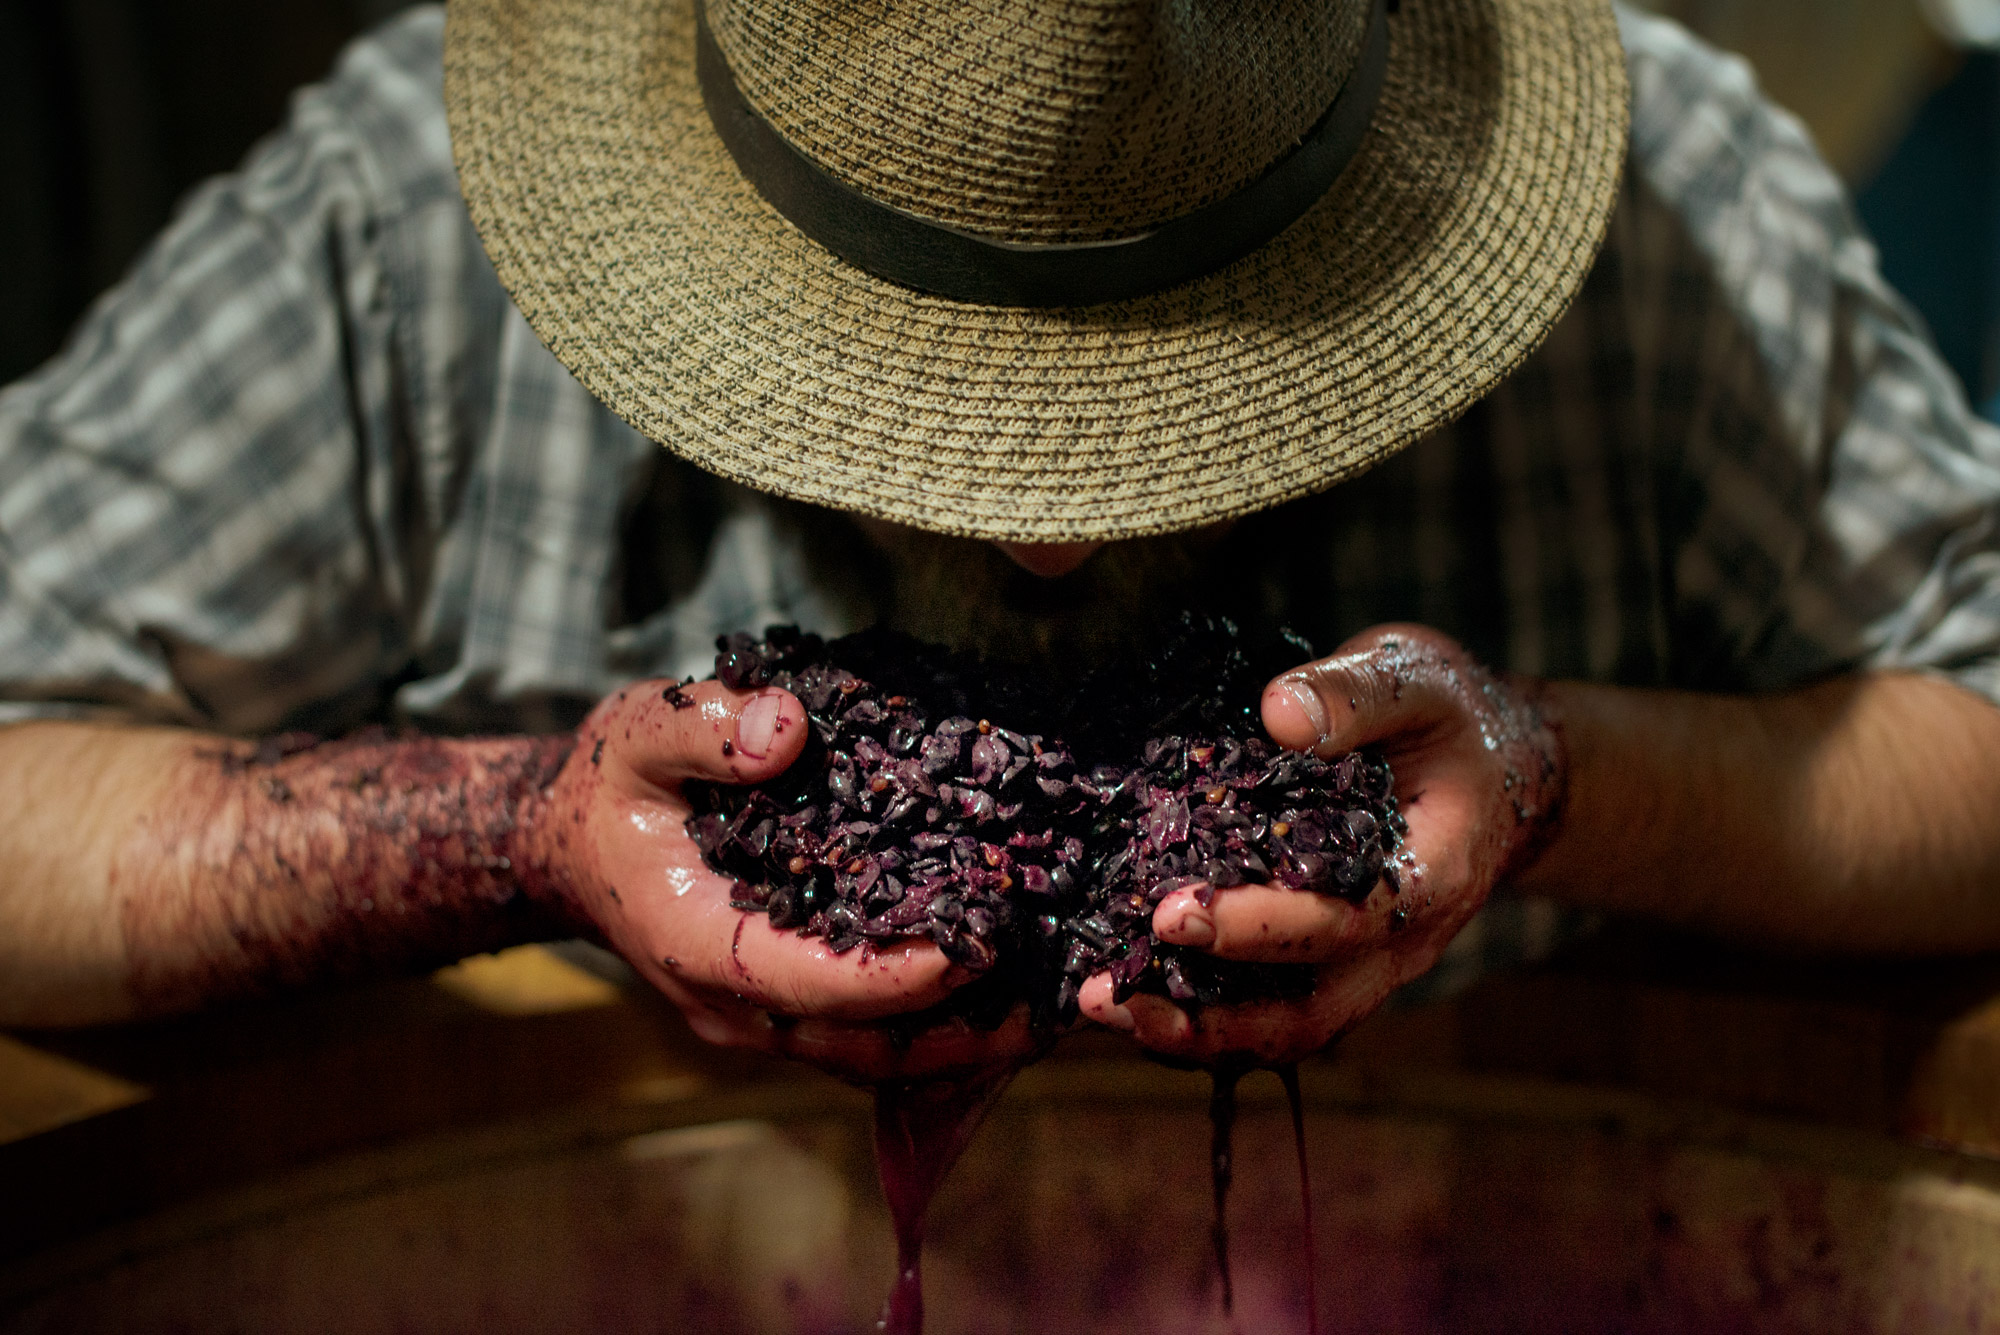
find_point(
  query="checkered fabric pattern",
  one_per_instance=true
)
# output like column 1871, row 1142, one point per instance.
column 306, row 467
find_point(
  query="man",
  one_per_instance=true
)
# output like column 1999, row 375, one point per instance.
column 1041, row 277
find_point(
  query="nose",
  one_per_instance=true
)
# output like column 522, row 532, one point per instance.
column 1049, row 559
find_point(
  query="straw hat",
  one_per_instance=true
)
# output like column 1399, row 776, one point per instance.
column 1038, row 270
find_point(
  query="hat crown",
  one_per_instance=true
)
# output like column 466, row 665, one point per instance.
column 1042, row 120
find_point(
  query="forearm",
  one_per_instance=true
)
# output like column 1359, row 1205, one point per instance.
column 1860, row 814
column 151, row 871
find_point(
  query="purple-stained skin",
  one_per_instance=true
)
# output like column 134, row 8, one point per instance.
column 296, row 862
column 1482, row 769
column 1025, row 868
column 1430, row 681
column 321, row 861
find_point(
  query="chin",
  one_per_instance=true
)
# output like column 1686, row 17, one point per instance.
column 973, row 596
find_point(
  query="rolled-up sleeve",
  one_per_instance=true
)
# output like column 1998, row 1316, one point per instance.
column 1904, row 562
column 199, row 513
column 1834, row 500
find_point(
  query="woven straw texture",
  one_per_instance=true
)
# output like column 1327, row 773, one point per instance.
column 1105, row 118
column 678, row 296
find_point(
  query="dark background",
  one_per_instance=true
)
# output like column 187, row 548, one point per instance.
column 111, row 109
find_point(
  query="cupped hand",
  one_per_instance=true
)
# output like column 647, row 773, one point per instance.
column 615, row 837
column 1479, row 773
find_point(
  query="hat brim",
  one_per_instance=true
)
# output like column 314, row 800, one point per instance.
column 627, row 237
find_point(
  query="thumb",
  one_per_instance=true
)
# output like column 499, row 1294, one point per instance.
column 1389, row 682
column 665, row 734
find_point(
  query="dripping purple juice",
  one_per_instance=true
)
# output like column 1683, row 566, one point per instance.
column 921, row 1129
column 1226, row 1077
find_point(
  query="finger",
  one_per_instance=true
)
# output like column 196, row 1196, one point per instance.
column 1162, row 1026
column 727, row 1022
column 1391, row 681
column 1154, row 1021
column 1271, row 923
column 1097, row 1002
column 871, row 1053
column 729, row 951
column 1267, row 1032
column 865, row 1052
column 799, row 975
column 705, row 731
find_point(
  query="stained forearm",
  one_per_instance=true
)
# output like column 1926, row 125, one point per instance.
column 153, row 871
column 1860, row 814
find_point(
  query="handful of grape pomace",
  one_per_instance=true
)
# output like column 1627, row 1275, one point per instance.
column 1030, row 832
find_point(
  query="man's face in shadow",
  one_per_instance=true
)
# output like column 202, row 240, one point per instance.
column 1060, row 606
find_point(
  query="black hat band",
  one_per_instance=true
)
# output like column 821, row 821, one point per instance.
column 931, row 257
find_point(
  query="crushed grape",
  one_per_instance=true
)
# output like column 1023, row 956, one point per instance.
column 1030, row 832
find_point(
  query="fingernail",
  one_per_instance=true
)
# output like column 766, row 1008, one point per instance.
column 1314, row 707
column 1195, row 927
column 1097, row 1000
column 758, row 724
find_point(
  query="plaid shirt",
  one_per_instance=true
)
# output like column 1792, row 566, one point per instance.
column 307, row 467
